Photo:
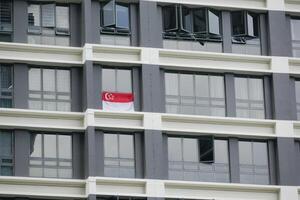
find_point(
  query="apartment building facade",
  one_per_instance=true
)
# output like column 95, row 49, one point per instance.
column 215, row 93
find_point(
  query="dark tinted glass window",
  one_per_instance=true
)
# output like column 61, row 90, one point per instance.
column 5, row 15
column 244, row 24
column 206, row 149
column 109, row 13
column 200, row 21
column 170, row 18
column 6, row 153
column 238, row 23
column 6, row 86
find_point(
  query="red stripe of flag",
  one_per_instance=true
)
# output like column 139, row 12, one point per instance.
column 117, row 97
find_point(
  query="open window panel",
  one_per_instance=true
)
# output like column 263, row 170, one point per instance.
column 115, row 17
column 206, row 149
column 177, row 21
column 207, row 24
column 245, row 26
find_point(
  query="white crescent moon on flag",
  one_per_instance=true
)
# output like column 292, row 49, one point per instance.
column 108, row 96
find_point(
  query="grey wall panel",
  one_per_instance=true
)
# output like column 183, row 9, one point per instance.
column 139, row 152
column 279, row 42
column 297, row 147
column 286, row 163
column 75, row 25
column 151, row 89
column 95, row 29
column 149, row 19
column 272, row 162
column 230, row 95
column 156, row 166
column 136, row 84
column 78, row 147
column 20, row 91
column 134, row 24
column 22, row 152
column 282, row 108
column 268, row 97
column 263, row 34
column 76, row 89
column 97, row 77
column 88, row 94
column 293, row 99
column 234, row 160
column 99, row 149
column 20, row 21
column 226, row 31
column 90, row 156
column 86, row 22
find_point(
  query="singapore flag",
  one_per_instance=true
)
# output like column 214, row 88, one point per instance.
column 115, row 101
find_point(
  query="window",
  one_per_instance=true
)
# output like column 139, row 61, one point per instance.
column 198, row 159
column 49, row 89
column 51, row 156
column 198, row 23
column 6, row 153
column 5, row 20
column 48, row 24
column 119, row 154
column 195, row 94
column 254, row 167
column 117, row 80
column 249, row 95
column 244, row 25
column 115, row 17
column 295, row 28
column 6, row 86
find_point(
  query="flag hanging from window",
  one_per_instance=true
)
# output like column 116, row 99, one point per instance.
column 115, row 101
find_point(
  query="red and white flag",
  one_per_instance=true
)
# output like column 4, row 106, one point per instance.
column 114, row 101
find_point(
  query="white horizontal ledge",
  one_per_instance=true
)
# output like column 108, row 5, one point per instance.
column 136, row 56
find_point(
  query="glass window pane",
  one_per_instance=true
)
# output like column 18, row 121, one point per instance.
column 170, row 18
column 221, row 151
column 36, row 145
column 241, row 88
column 206, row 149
column 65, row 173
column 35, row 171
column 63, row 81
column 186, row 85
column 217, row 89
column 50, row 172
column 201, row 86
column 238, row 23
column 186, row 19
column 108, row 80
column 250, row 23
column 65, row 146
column 34, row 15
column 171, row 83
column 6, row 14
column 260, row 153
column 295, row 29
column 124, row 81
column 48, row 15
column 62, row 17
column 126, row 146
column 245, row 153
column 174, row 149
column 109, row 13
column 214, row 23
column 111, row 145
column 297, row 88
column 6, row 171
column 256, row 91
column 49, row 80
column 122, row 16
column 50, row 146
column 6, row 144
column 35, row 79
column 190, row 150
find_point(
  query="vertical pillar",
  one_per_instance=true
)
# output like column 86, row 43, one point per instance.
column 75, row 25
column 226, row 30
column 20, row 87
column 155, row 159
column 152, row 92
column 282, row 109
column 279, row 34
column 90, row 152
column 76, row 89
column 88, row 85
column 77, row 146
column 22, row 149
column 234, row 160
column 286, row 161
column 150, row 24
column 20, row 21
column 86, row 11
column 263, row 34
column 230, row 95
